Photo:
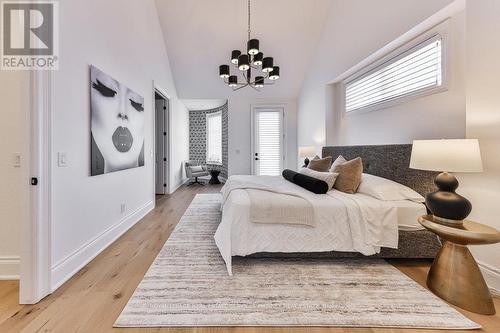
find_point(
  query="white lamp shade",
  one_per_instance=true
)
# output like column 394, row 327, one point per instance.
column 307, row 151
column 453, row 155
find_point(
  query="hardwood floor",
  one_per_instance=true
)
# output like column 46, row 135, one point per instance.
column 92, row 300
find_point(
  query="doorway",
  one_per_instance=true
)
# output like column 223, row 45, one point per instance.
column 267, row 140
column 161, row 142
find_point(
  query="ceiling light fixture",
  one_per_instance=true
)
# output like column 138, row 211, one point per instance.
column 245, row 62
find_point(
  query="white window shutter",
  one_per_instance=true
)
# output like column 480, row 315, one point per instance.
column 214, row 138
column 412, row 71
column 269, row 145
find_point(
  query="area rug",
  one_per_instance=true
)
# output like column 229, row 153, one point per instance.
column 188, row 285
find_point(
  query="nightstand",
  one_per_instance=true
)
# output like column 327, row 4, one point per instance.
column 454, row 275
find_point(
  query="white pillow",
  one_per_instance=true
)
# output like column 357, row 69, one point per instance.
column 387, row 190
column 339, row 160
column 328, row 177
column 196, row 168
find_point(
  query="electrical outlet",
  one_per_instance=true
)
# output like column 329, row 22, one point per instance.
column 122, row 208
column 16, row 160
column 62, row 160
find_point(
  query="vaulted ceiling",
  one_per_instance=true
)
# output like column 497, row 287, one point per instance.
column 200, row 34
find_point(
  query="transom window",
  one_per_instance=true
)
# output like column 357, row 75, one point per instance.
column 408, row 72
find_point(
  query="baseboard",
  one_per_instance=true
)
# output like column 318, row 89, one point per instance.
column 492, row 277
column 69, row 266
column 176, row 187
column 9, row 267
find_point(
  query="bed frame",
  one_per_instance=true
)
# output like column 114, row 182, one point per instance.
column 391, row 162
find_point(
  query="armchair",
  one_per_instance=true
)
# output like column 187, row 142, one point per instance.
column 195, row 170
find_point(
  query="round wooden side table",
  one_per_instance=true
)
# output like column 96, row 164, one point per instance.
column 454, row 275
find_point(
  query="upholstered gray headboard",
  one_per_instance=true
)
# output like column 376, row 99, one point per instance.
column 387, row 161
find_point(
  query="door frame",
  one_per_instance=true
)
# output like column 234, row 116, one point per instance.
column 36, row 230
column 162, row 92
column 254, row 109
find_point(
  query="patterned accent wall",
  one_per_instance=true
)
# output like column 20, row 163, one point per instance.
column 198, row 137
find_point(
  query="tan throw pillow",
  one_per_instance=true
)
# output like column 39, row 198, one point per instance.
column 327, row 177
column 320, row 164
column 350, row 174
column 338, row 161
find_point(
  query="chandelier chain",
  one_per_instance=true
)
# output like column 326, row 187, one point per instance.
column 248, row 19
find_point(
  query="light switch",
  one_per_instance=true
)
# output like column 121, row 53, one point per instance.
column 62, row 160
column 16, row 160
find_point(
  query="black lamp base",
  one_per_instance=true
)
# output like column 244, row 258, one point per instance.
column 306, row 162
column 446, row 205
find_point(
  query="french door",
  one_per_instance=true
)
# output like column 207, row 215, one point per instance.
column 268, row 138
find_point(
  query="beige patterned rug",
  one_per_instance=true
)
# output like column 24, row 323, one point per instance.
column 188, row 285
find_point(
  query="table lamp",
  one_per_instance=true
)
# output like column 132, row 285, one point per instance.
column 450, row 155
column 306, row 152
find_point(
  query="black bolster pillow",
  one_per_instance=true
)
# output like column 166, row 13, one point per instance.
column 289, row 174
column 312, row 184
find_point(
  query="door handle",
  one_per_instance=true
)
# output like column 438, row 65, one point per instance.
column 256, row 158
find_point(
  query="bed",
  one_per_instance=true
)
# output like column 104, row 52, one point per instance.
column 345, row 225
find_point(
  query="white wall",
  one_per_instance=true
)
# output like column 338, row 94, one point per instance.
column 345, row 42
column 122, row 38
column 179, row 143
column 240, row 145
column 483, row 122
column 13, row 130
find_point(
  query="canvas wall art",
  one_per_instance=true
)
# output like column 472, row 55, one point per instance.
column 117, row 125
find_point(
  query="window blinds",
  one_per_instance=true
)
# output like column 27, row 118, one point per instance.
column 269, row 142
column 410, row 72
column 214, row 137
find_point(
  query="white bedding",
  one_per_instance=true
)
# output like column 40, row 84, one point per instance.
column 344, row 222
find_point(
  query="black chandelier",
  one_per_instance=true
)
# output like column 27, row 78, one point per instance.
column 252, row 59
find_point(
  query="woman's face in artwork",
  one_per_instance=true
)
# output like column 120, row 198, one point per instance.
column 117, row 121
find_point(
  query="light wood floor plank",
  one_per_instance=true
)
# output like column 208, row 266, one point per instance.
column 92, row 300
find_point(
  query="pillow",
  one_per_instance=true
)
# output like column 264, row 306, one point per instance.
column 196, row 168
column 320, row 164
column 349, row 176
column 328, row 177
column 386, row 189
column 339, row 160
column 314, row 185
column 288, row 174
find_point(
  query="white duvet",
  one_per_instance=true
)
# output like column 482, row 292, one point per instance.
column 343, row 222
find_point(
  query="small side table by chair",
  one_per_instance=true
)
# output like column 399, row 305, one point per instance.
column 454, row 275
column 215, row 177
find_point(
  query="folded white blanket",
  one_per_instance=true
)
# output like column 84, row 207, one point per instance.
column 272, row 200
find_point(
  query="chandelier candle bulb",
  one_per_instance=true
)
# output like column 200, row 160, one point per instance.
column 243, row 63
column 234, row 56
column 224, row 71
column 257, row 59
column 259, row 81
column 253, row 46
column 233, row 81
column 267, row 64
column 275, row 73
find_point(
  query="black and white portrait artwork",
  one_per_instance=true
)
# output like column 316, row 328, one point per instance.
column 117, row 125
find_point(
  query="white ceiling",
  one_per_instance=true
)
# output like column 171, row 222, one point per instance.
column 200, row 35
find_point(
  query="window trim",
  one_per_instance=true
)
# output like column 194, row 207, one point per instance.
column 208, row 115
column 441, row 31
